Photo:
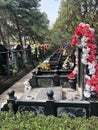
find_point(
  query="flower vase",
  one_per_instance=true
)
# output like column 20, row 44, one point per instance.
column 72, row 83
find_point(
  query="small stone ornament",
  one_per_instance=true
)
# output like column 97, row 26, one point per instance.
column 27, row 87
column 50, row 94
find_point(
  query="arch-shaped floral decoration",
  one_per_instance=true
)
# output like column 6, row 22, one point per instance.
column 84, row 36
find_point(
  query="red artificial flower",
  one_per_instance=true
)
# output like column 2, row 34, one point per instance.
column 71, row 75
column 79, row 30
column 92, row 81
column 91, row 45
column 96, row 74
column 93, row 52
column 86, row 30
column 91, row 39
column 96, row 88
column 74, row 40
column 91, row 58
column 96, row 67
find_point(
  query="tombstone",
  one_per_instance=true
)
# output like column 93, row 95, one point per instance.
column 39, row 52
column 42, row 52
column 56, row 80
column 27, row 54
column 36, row 53
column 39, row 71
column 10, row 63
column 4, row 58
column 17, row 56
column 33, row 81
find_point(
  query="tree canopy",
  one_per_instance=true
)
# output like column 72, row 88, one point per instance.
column 71, row 13
column 21, row 20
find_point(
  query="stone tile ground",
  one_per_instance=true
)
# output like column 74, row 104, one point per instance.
column 18, row 87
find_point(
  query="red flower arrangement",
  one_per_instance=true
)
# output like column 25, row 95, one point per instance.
column 88, row 57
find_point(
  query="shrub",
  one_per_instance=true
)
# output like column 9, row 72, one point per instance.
column 28, row 121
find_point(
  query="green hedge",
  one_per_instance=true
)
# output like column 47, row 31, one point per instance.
column 27, row 121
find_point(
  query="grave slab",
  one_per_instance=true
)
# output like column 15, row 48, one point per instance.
column 41, row 94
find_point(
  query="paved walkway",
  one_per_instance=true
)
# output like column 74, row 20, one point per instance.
column 18, row 87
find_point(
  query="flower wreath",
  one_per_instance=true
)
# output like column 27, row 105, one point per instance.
column 84, row 36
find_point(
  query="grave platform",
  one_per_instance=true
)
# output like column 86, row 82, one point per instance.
column 41, row 94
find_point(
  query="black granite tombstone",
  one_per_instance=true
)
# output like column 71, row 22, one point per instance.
column 3, row 59
column 27, row 54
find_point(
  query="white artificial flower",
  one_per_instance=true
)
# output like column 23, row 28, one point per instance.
column 76, row 53
column 87, row 76
column 92, row 29
column 91, row 67
column 86, row 50
column 75, row 70
column 84, row 41
column 87, row 87
column 83, row 24
column 92, row 88
column 88, row 25
column 92, row 71
column 84, row 61
column 87, row 94
column 85, row 56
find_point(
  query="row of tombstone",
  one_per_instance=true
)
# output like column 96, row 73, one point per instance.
column 16, row 57
column 21, row 55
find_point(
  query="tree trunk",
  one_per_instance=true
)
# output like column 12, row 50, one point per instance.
column 18, row 28
column 2, row 38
